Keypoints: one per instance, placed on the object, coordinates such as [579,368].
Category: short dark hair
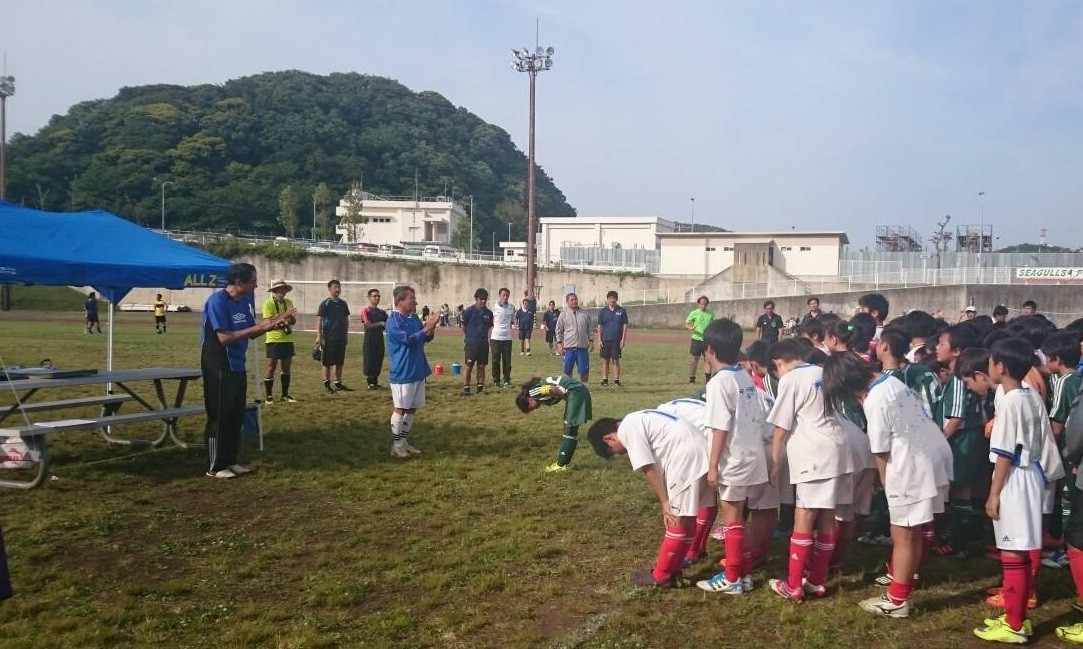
[961,336]
[1031,303]
[971,361]
[333,282]
[400,293]
[504,290]
[611,294]
[865,326]
[550,302]
[1000,310]
[845,376]
[159,295]
[240,272]
[481,294]
[1064,346]
[809,301]
[787,350]
[897,341]
[813,328]
[372,290]
[1016,354]
[702,298]
[875,302]
[768,303]
[1034,328]
[811,354]
[757,352]
[598,430]
[724,338]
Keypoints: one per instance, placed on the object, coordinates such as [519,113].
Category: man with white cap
[969,313]
[279,341]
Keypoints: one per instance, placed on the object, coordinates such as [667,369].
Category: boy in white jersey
[735,416]
[672,455]
[817,458]
[914,461]
[694,411]
[1017,449]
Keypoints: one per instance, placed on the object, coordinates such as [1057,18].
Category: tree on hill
[1034,247]
[230,149]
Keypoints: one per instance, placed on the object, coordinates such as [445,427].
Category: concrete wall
[1062,303]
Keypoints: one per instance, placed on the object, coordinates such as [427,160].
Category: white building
[401,220]
[705,254]
[630,241]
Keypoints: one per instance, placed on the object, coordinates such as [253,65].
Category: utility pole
[7,89]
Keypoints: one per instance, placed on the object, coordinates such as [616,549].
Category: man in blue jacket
[406,338]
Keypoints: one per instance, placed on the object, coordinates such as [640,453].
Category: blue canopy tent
[101,250]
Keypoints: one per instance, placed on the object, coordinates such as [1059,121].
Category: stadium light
[532,63]
[7,89]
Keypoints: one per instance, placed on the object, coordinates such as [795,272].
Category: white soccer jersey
[734,406]
[694,411]
[1021,431]
[503,316]
[920,462]
[815,450]
[677,448]
[857,445]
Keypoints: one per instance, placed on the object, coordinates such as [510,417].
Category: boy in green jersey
[577,410]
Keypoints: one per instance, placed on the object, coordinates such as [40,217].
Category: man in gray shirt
[575,337]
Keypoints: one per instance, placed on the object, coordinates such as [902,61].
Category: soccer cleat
[1073,633]
[691,379]
[616,382]
[883,605]
[813,590]
[373,386]
[288,399]
[782,589]
[269,400]
[341,387]
[1057,559]
[328,389]
[480,388]
[999,631]
[645,579]
[1028,628]
[466,391]
[719,584]
[238,469]
[398,450]
[605,382]
[556,468]
[224,474]
[522,353]
[411,449]
[997,600]
[528,353]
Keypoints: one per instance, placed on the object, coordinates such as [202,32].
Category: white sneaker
[224,474]
[239,470]
[398,449]
[413,450]
[883,606]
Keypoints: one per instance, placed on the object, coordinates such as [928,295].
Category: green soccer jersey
[924,383]
[1063,390]
[852,410]
[957,402]
[699,319]
[576,397]
[770,386]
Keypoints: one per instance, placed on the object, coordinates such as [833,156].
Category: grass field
[330,543]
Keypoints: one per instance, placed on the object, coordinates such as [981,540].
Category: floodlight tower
[532,63]
[7,89]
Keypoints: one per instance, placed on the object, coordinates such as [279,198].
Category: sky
[814,115]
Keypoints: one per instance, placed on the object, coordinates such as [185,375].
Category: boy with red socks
[672,455]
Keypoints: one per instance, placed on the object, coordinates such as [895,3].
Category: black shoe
[691,379]
[616,382]
[339,387]
[373,386]
[481,389]
[466,391]
[327,387]
[605,382]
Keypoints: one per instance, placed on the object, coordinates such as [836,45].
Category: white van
[438,252]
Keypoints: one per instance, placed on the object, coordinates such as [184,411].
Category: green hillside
[229,150]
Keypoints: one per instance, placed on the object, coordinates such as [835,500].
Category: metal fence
[634,259]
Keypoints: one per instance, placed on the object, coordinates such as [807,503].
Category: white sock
[396,426]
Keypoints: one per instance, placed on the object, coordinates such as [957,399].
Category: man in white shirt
[500,339]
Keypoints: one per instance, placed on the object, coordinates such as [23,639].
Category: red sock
[1075,562]
[822,550]
[899,591]
[928,537]
[671,553]
[1035,565]
[800,546]
[735,551]
[704,520]
[1016,567]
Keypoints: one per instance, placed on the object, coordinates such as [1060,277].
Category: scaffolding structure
[897,238]
[974,238]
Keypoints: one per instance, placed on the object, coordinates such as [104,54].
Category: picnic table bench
[36,434]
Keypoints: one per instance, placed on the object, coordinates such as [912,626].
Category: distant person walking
[332,326]
[160,307]
[228,323]
[90,307]
[549,322]
[406,338]
[279,342]
[613,333]
[697,322]
[575,338]
[500,341]
[374,321]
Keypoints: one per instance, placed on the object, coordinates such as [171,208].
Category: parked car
[438,252]
[392,249]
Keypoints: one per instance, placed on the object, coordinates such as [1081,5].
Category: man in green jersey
[550,391]
[697,322]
